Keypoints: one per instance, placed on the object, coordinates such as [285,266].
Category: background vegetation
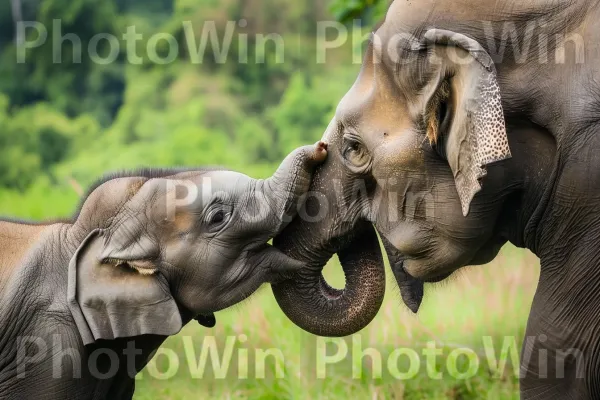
[67,119]
[66,123]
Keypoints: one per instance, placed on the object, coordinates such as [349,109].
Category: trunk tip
[320,151]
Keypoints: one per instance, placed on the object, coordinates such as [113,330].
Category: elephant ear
[477,133]
[113,292]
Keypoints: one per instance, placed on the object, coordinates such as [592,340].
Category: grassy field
[450,350]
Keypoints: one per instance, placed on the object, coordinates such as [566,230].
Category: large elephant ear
[477,134]
[119,295]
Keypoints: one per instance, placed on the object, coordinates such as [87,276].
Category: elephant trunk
[316,307]
[307,299]
[291,181]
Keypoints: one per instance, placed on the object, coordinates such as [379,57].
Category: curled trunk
[307,299]
[318,308]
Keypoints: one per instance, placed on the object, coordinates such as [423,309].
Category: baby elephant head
[175,246]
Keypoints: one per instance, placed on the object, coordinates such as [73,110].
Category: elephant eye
[355,154]
[217,217]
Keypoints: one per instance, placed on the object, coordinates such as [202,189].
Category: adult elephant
[471,123]
[85,303]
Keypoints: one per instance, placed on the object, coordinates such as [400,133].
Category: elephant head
[165,247]
[410,146]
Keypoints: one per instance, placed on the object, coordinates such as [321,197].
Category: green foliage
[53,71]
[349,10]
[42,200]
[36,138]
[70,120]
[300,116]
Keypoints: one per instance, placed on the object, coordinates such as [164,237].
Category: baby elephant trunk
[292,180]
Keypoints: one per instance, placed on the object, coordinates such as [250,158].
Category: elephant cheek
[417,269]
[488,252]
[236,293]
[407,237]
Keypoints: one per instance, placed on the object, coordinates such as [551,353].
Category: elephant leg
[560,356]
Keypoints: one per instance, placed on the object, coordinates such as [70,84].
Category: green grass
[490,301]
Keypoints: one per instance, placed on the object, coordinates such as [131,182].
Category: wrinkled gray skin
[132,268]
[541,192]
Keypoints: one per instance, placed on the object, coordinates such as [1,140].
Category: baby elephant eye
[355,154]
[217,217]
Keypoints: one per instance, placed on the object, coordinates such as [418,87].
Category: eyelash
[217,211]
[353,147]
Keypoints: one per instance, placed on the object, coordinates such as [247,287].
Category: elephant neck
[567,241]
[532,170]
[32,252]
[33,278]
[568,235]
[16,242]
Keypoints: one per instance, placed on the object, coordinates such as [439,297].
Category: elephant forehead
[227,181]
[375,104]
[201,189]
[411,16]
[382,102]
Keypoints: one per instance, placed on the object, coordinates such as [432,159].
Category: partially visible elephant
[471,123]
[84,304]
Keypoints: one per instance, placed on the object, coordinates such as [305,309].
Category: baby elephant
[84,304]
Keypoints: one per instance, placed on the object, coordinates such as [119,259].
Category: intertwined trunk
[306,298]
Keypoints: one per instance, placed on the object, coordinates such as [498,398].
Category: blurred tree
[369,11]
[67,119]
[301,116]
[61,69]
[35,138]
